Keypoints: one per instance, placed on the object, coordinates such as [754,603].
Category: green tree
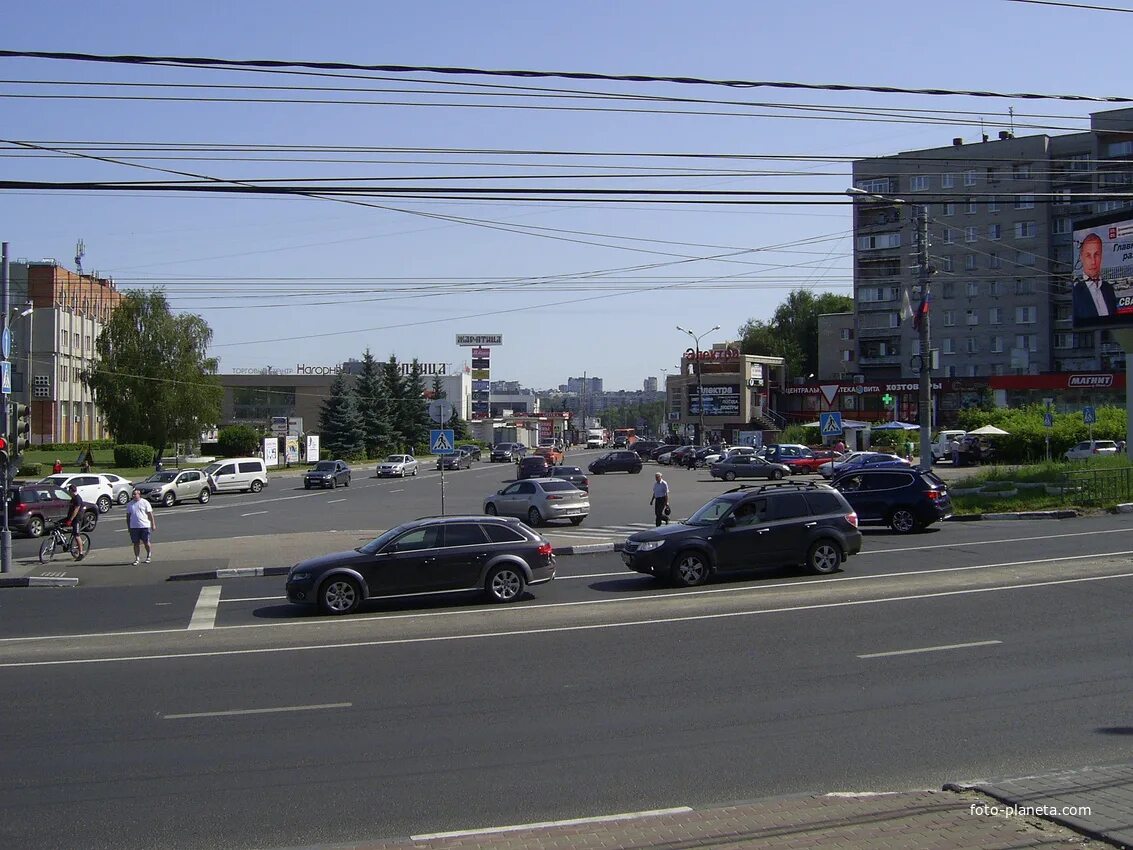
[340,423]
[414,408]
[792,331]
[374,408]
[459,426]
[152,379]
[394,391]
[238,441]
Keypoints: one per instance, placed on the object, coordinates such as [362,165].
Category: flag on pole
[906,307]
[922,311]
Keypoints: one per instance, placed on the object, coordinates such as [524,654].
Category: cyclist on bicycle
[75,514]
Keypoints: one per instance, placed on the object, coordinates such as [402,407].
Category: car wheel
[123,497]
[169,500]
[204,496]
[306,486]
[257,486]
[690,569]
[534,518]
[490,509]
[729,476]
[824,557]
[90,521]
[414,470]
[35,526]
[346,483]
[504,584]
[340,595]
[903,521]
[104,503]
[577,520]
[776,474]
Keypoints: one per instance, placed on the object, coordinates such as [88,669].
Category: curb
[38,581]
[1060,514]
[1126,508]
[233,572]
[587,548]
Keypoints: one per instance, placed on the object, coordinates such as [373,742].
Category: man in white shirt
[141,522]
[660,499]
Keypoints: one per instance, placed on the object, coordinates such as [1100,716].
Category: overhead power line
[213,62]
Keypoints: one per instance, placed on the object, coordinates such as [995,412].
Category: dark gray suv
[751,527]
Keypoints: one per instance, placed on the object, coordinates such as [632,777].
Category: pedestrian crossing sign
[830,424]
[442,441]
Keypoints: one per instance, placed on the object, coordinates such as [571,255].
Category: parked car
[169,488]
[92,488]
[664,449]
[619,461]
[1091,448]
[677,456]
[237,474]
[327,473]
[491,555]
[538,500]
[123,488]
[739,451]
[942,442]
[572,474]
[748,528]
[456,460]
[507,452]
[853,460]
[906,500]
[397,465]
[471,449]
[747,466]
[33,508]
[644,448]
[535,466]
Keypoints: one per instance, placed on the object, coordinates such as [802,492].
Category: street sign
[440,411]
[1048,420]
[6,344]
[442,441]
[830,424]
[1089,415]
[6,376]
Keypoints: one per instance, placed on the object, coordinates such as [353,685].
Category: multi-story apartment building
[1000,218]
[57,316]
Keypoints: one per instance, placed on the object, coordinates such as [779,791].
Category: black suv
[906,500]
[498,556]
[534,466]
[619,461]
[768,525]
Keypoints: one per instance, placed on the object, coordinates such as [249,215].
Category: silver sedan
[537,500]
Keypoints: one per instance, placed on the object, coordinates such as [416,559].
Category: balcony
[880,360]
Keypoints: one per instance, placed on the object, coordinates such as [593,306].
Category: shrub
[68,448]
[30,469]
[238,441]
[131,455]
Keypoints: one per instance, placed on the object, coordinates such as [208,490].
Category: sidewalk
[961,817]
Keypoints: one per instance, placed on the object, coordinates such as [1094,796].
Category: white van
[237,473]
[940,449]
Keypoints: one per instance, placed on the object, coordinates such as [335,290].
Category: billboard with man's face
[1103,271]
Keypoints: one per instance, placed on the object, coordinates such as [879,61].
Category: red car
[800,459]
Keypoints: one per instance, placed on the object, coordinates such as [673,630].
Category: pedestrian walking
[141,522]
[840,447]
[660,500]
[954,449]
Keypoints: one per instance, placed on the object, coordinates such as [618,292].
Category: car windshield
[324,466]
[208,470]
[393,459]
[162,477]
[378,542]
[54,479]
[710,514]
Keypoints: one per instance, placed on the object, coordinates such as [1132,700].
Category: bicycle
[78,545]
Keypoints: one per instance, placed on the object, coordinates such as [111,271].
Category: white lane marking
[550,630]
[931,649]
[492,830]
[204,614]
[497,610]
[254,513]
[239,711]
[332,501]
[397,491]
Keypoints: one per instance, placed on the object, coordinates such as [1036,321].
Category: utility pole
[924,406]
[5,472]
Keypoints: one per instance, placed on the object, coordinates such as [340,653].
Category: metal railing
[1097,486]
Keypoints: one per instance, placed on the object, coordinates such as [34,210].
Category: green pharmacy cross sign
[887,399]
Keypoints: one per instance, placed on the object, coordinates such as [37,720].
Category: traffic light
[20,438]
[3,452]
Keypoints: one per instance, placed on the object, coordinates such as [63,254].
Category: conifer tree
[374,407]
[340,423]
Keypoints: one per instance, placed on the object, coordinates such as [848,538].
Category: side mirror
[499,492]
[729,521]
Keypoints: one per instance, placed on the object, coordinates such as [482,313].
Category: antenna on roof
[80,252]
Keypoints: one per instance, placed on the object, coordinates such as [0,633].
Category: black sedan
[497,556]
[748,466]
[472,451]
[456,460]
[619,461]
[572,474]
[327,473]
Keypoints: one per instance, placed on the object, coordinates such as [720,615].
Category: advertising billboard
[1103,271]
[721,400]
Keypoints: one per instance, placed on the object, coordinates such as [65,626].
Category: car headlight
[650,545]
[299,577]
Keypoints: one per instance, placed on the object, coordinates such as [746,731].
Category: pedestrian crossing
[606,532]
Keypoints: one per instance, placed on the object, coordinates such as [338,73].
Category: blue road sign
[442,441]
[6,343]
[1048,420]
[1089,415]
[6,377]
[830,424]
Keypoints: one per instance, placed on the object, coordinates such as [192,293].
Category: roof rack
[797,485]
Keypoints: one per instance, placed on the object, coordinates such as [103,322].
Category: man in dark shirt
[74,516]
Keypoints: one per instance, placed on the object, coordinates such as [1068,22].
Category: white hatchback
[94,489]
[1090,448]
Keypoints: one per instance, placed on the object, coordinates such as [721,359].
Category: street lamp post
[699,373]
[924,371]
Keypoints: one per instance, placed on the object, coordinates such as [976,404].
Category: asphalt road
[976,649]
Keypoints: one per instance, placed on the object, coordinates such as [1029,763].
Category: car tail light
[552,497]
[852,518]
[585,481]
[19,507]
[932,494]
[1095,450]
[544,549]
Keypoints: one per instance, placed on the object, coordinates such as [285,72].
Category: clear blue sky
[372,265]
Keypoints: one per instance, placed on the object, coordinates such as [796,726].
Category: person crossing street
[660,500]
[141,523]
